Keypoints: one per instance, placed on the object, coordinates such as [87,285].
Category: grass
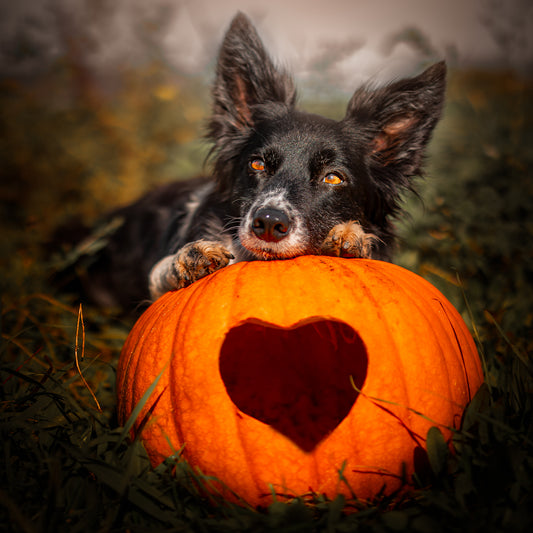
[67,466]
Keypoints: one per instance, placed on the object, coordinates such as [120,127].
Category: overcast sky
[347,39]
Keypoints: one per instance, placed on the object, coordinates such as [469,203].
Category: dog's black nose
[270,225]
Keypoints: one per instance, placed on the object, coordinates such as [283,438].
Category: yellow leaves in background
[99,147]
[166,92]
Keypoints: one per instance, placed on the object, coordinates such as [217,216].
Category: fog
[348,41]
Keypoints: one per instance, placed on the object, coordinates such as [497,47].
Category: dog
[285,182]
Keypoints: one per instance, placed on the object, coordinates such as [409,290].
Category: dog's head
[292,176]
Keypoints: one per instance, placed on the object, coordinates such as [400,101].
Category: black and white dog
[285,182]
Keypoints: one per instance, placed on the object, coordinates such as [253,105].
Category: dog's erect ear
[245,76]
[399,119]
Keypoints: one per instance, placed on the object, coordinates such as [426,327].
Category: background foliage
[70,146]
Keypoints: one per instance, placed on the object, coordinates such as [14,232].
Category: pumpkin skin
[257,363]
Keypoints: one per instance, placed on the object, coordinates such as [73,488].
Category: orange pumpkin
[275,376]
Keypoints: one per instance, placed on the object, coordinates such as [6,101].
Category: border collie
[285,182]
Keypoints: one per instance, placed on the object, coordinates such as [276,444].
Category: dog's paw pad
[349,239]
[198,259]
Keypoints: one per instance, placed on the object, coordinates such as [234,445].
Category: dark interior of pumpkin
[297,380]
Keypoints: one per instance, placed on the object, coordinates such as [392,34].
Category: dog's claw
[198,259]
[349,239]
[194,261]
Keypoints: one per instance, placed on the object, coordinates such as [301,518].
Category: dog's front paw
[194,261]
[198,259]
[349,239]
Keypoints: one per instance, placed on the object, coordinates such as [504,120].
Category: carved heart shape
[296,380]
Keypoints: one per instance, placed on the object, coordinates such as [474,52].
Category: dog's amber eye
[257,164]
[333,179]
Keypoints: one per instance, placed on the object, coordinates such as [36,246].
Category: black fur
[285,182]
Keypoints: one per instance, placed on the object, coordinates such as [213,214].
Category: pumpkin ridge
[432,314]
[366,282]
[399,278]
[413,286]
[386,326]
[446,319]
[199,289]
[178,317]
[409,287]
[459,330]
[249,458]
[128,367]
[159,425]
